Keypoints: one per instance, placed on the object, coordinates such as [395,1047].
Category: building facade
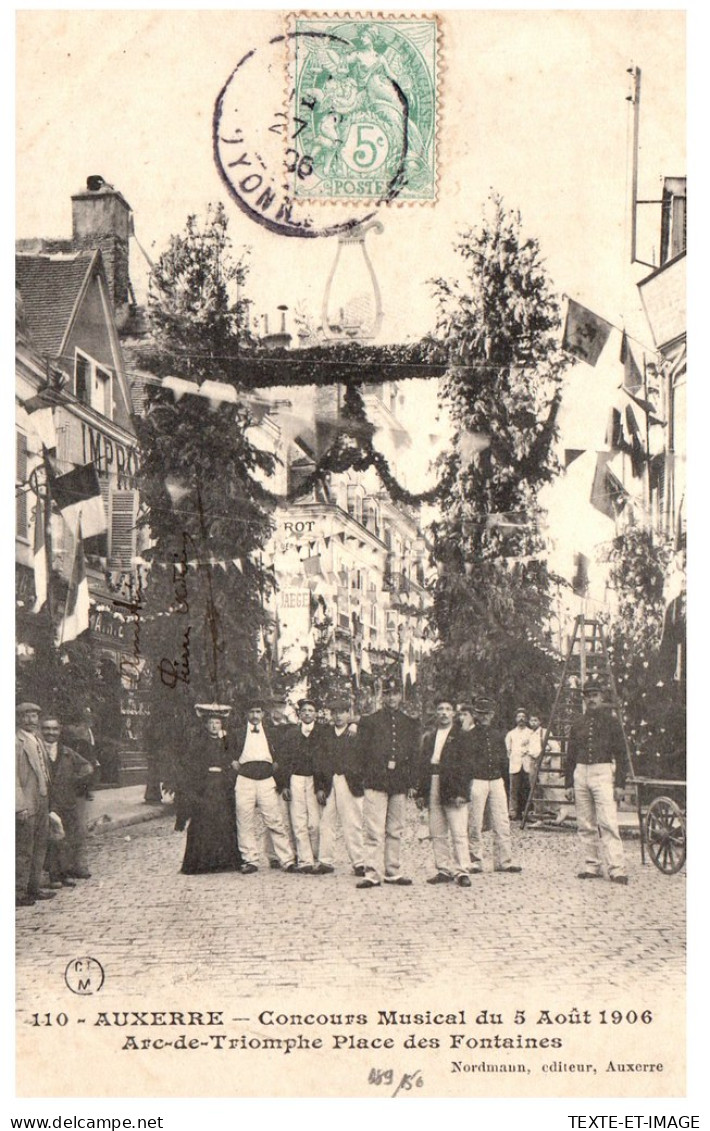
[69,362]
[349,562]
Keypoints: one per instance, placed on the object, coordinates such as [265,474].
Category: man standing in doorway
[388,741]
[594,776]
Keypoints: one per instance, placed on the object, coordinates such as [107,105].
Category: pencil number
[386,1076]
[380,1076]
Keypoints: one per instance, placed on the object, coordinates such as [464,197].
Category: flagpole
[647,414]
[635,100]
[48,540]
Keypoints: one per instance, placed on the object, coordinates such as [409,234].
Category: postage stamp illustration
[365,92]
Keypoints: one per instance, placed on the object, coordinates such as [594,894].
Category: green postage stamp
[365,107]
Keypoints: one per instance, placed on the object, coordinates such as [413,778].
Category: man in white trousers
[256,789]
[302,752]
[339,789]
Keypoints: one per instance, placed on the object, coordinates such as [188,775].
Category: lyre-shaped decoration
[352,290]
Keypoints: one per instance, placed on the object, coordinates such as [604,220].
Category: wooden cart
[660,805]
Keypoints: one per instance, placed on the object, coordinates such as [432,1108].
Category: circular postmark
[84,976]
[317,129]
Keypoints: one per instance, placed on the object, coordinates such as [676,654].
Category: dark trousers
[31,838]
[66,856]
[519,791]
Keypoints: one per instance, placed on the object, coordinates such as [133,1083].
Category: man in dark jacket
[302,752]
[594,766]
[69,774]
[339,790]
[484,749]
[388,741]
[442,786]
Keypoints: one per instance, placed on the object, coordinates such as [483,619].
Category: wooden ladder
[587,662]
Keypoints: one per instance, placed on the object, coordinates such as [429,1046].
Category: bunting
[39,559]
[647,408]
[632,374]
[78,496]
[624,435]
[76,610]
[42,424]
[580,578]
[608,494]
[585,333]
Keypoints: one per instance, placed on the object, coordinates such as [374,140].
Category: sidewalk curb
[105,824]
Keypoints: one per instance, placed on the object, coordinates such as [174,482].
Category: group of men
[51,780]
[306,778]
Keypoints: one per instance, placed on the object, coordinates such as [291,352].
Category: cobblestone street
[147,924]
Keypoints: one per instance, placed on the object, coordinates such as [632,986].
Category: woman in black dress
[205,799]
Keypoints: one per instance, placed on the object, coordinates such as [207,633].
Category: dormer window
[82,379]
[93,385]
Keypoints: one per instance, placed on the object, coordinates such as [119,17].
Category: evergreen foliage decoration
[503,389]
[199,496]
[652,699]
[353,449]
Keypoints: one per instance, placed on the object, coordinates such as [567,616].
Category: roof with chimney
[51,286]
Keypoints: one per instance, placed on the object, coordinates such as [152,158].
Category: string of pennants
[193,563]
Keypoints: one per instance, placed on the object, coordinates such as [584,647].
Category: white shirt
[306,728]
[52,749]
[256,746]
[517,743]
[534,749]
[441,736]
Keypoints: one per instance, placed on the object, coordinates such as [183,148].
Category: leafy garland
[253,366]
[353,449]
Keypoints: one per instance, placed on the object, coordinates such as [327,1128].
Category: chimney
[102,218]
[281,339]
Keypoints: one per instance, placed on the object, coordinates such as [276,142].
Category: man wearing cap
[339,789]
[487,758]
[443,787]
[594,775]
[257,788]
[388,741]
[303,746]
[517,741]
[31,807]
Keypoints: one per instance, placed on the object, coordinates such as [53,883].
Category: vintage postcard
[350,525]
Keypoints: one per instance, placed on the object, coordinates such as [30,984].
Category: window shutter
[124,507]
[21,477]
[82,379]
[98,546]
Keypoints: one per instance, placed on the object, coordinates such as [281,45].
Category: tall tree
[203,609]
[501,326]
[652,695]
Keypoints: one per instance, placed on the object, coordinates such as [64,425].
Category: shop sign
[109,455]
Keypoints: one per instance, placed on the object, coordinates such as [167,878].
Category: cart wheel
[665,835]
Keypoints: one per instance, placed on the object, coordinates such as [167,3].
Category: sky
[532,105]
